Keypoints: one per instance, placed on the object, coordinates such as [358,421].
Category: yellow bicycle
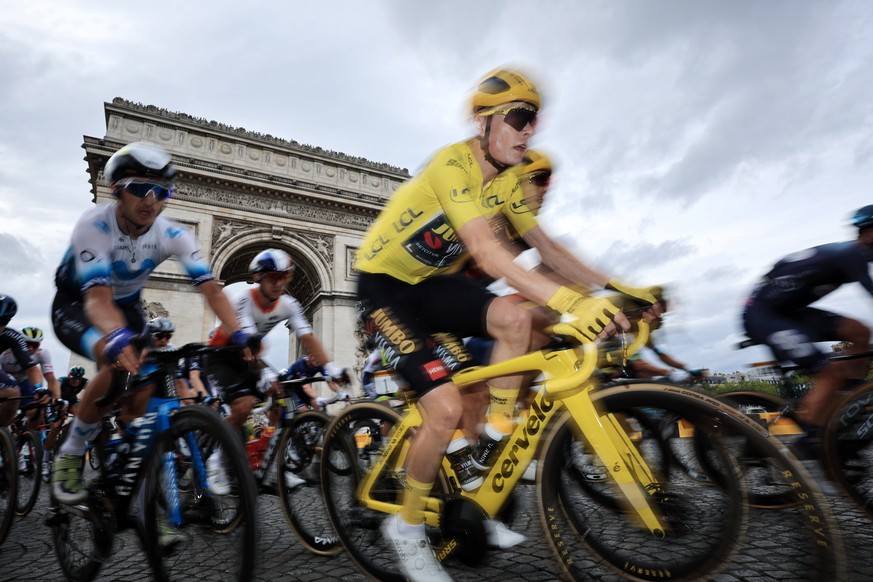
[606,492]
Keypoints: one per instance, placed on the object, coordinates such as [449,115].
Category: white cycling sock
[81,433]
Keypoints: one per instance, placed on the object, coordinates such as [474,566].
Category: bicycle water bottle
[491,441]
[459,455]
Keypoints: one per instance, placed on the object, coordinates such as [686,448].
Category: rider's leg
[511,327]
[832,377]
[441,410]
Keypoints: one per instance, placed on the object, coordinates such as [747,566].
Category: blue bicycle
[159,468]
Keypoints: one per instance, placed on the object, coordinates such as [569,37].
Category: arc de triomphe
[241,192]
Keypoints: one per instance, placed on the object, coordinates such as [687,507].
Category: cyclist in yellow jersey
[410,289]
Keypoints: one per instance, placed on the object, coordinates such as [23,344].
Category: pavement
[28,554]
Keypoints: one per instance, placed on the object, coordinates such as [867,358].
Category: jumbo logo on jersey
[435,244]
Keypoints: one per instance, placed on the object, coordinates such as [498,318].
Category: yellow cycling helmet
[503,86]
[533,163]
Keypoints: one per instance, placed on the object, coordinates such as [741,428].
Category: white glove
[321,402]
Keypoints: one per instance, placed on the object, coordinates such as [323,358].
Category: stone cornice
[320,193]
[175,118]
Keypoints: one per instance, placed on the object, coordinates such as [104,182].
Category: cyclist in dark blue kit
[778,314]
[13,340]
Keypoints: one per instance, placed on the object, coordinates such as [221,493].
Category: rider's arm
[53,385]
[101,311]
[197,383]
[220,306]
[671,361]
[314,349]
[493,258]
[559,259]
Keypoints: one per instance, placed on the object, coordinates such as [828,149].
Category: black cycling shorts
[230,376]
[791,335]
[76,332]
[418,326]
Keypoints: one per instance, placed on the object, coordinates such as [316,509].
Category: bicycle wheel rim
[216,536]
[29,451]
[299,457]
[700,531]
[806,534]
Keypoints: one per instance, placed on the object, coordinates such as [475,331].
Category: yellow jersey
[415,236]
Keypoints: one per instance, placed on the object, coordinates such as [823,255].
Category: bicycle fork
[621,458]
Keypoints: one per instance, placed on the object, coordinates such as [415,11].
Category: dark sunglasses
[162,336]
[541,179]
[519,117]
[141,189]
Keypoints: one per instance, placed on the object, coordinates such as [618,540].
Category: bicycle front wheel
[848,446]
[708,523]
[299,483]
[192,529]
[8,482]
[29,457]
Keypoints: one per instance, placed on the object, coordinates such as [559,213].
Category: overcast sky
[696,142]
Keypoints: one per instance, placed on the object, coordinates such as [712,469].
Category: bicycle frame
[568,384]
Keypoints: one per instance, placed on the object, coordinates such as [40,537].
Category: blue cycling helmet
[8,309]
[863,217]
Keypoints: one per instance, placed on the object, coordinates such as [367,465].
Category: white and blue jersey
[101,254]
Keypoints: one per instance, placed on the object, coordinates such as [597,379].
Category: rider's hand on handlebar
[119,351]
[593,314]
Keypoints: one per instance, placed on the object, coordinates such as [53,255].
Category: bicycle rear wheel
[299,483]
[8,482]
[848,446]
[191,530]
[29,455]
[708,522]
[350,449]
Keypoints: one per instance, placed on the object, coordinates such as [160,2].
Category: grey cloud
[633,258]
[18,257]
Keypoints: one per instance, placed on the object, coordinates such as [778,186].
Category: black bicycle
[155,480]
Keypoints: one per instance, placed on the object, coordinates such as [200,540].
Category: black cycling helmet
[139,160]
[8,309]
[863,217]
[77,372]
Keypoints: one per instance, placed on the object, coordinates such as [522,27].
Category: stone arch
[312,278]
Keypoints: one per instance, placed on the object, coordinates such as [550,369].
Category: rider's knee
[508,322]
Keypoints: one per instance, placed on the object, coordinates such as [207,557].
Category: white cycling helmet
[161,325]
[271,261]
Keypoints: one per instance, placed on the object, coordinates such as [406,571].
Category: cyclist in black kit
[14,341]
[778,314]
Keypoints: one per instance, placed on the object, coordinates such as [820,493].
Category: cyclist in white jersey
[33,337]
[258,311]
[97,313]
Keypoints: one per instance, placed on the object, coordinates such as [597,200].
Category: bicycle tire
[848,446]
[693,461]
[83,536]
[28,450]
[812,544]
[8,482]
[299,454]
[216,536]
[344,462]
